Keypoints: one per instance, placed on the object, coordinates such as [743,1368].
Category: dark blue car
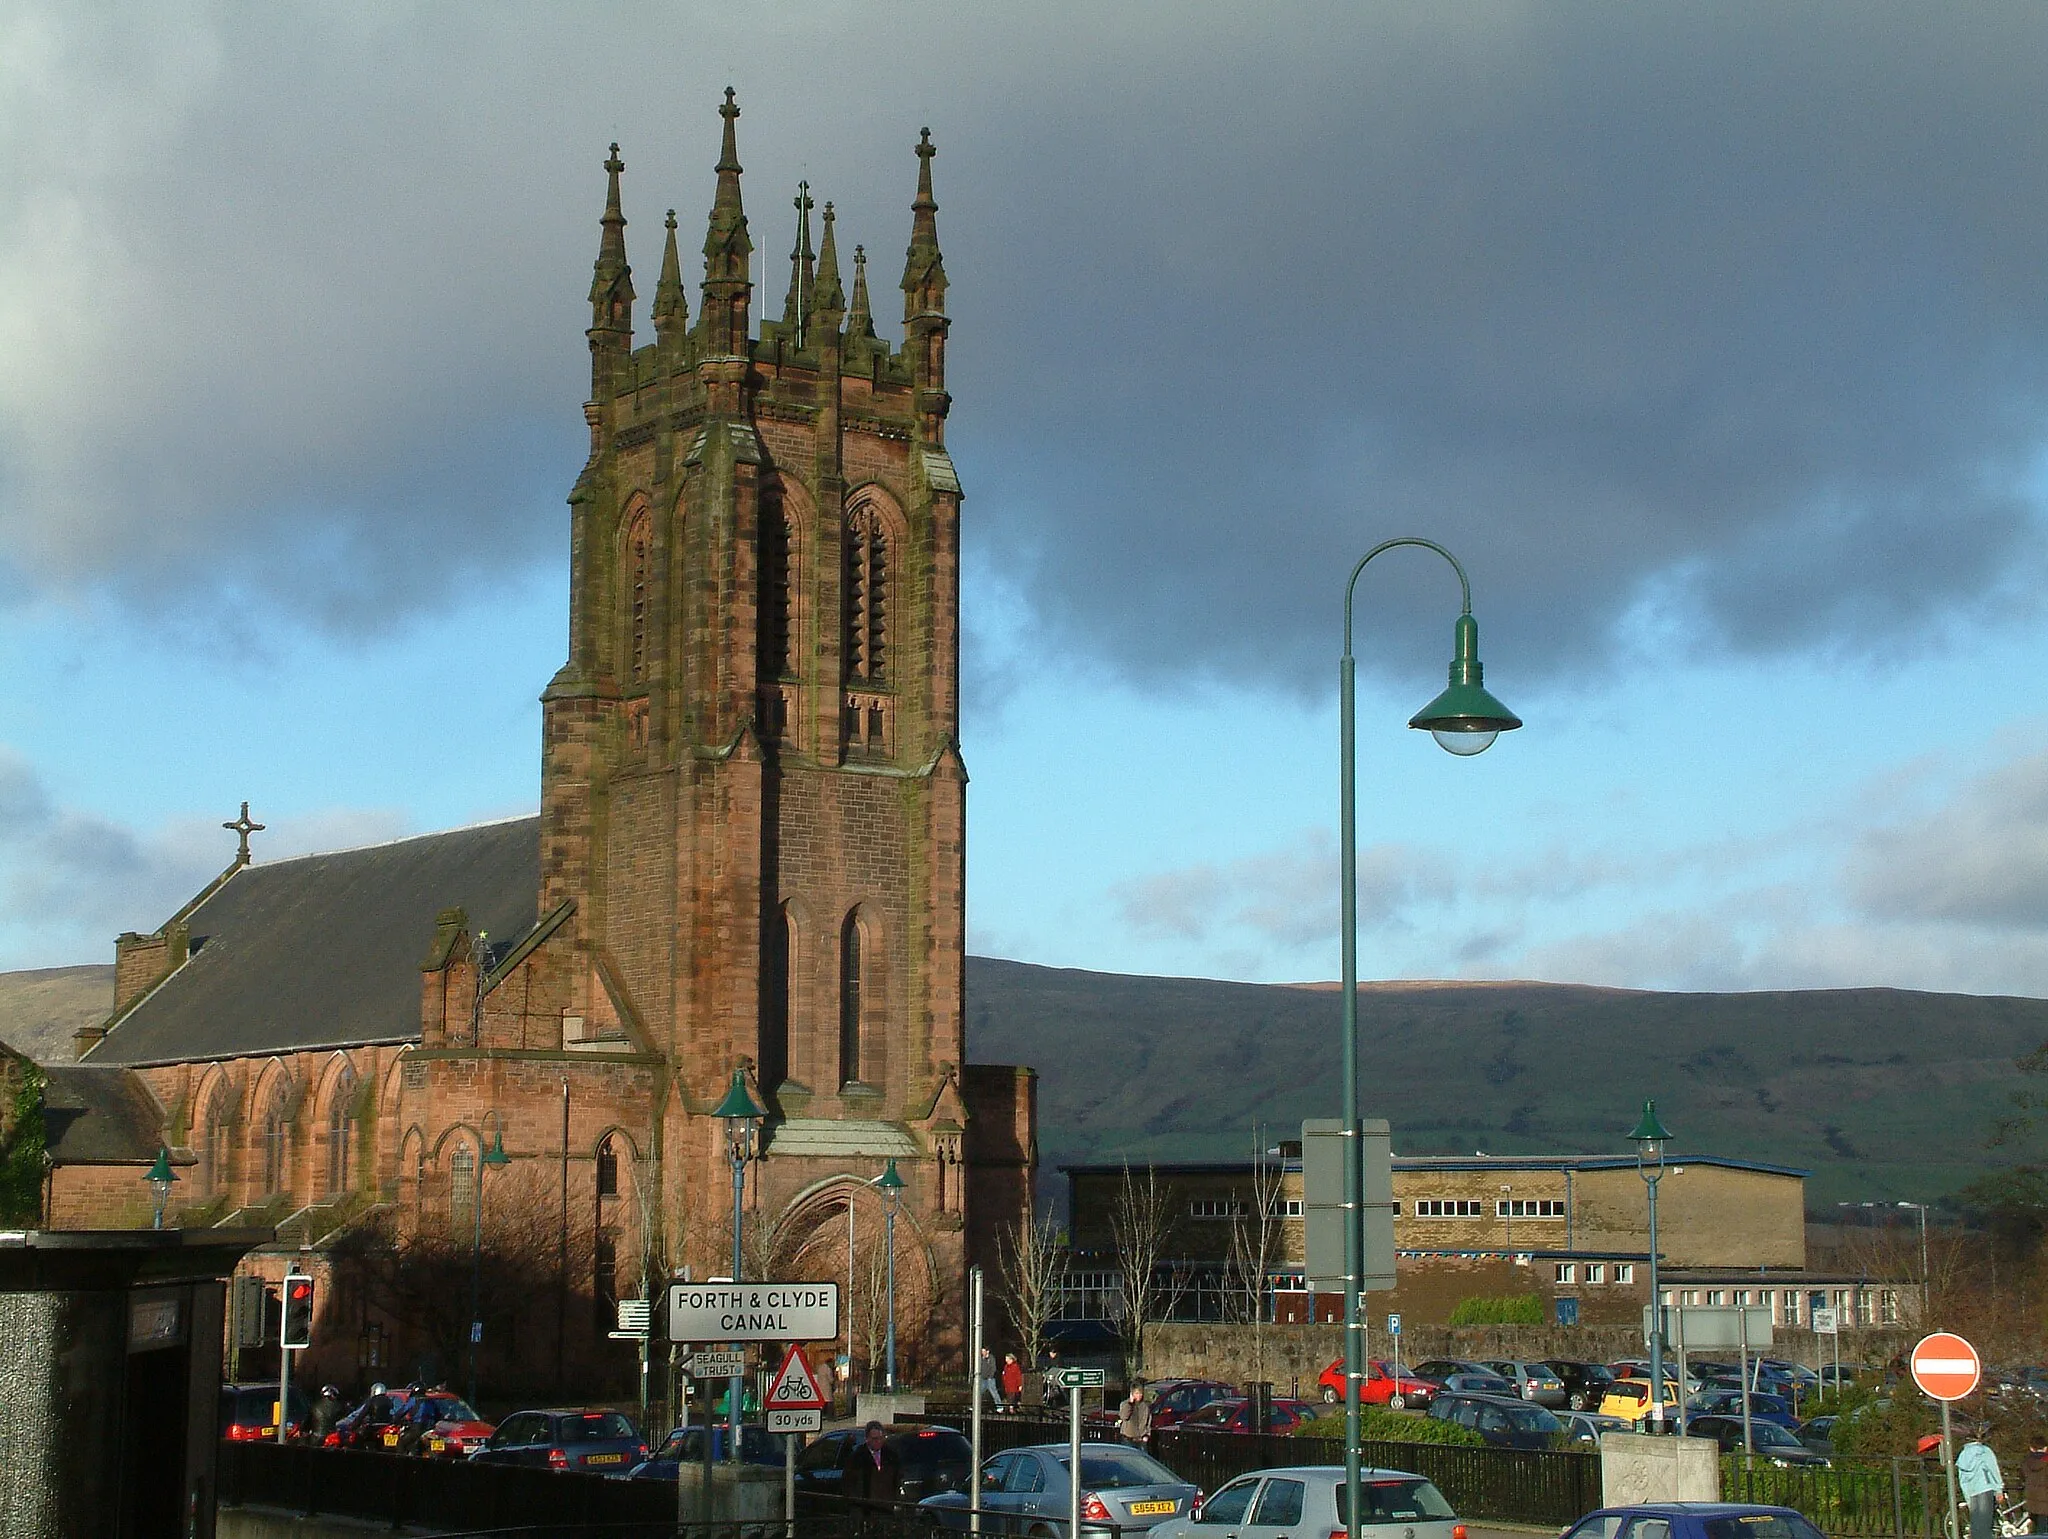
[757,1446]
[1693,1520]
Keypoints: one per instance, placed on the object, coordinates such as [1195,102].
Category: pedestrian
[1978,1476]
[2034,1469]
[1051,1393]
[1013,1382]
[871,1472]
[1134,1418]
[985,1371]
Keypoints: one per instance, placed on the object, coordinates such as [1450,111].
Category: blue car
[1693,1520]
[757,1446]
[1728,1402]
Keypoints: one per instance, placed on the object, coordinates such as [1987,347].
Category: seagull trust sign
[753,1311]
[1946,1366]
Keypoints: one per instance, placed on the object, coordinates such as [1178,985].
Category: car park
[1767,1440]
[248,1412]
[1027,1491]
[1236,1416]
[1585,1384]
[1308,1502]
[1504,1421]
[1380,1386]
[597,1441]
[1693,1520]
[932,1459]
[1532,1381]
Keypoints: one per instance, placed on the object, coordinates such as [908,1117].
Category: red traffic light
[298,1312]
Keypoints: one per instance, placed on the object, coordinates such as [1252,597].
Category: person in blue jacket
[1982,1483]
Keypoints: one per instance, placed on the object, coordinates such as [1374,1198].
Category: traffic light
[252,1312]
[298,1311]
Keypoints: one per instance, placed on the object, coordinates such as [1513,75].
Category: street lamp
[495,1158]
[1921,1209]
[160,1176]
[741,1117]
[1465,720]
[891,1187]
[1650,1138]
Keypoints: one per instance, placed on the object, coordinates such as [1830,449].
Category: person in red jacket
[1013,1381]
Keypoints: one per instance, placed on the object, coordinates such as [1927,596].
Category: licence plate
[391,1440]
[1150,1509]
[438,1444]
[606,1459]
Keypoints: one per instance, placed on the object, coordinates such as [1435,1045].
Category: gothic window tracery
[774,1044]
[849,1000]
[214,1153]
[778,595]
[341,1131]
[277,1142]
[866,587]
[462,1188]
[639,567]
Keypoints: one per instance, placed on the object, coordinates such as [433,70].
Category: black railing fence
[1857,1499]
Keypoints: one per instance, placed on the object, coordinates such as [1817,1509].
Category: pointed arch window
[774,1045]
[607,1169]
[341,1132]
[849,999]
[277,1143]
[215,1151]
[866,588]
[462,1188]
[639,576]
[778,595]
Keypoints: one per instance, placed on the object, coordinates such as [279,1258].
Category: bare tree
[1255,1245]
[1141,1228]
[1031,1269]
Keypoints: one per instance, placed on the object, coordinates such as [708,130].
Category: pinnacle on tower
[796,308]
[611,280]
[924,272]
[828,299]
[727,248]
[671,309]
[860,320]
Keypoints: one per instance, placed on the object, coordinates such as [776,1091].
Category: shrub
[1381,1426]
[1518,1309]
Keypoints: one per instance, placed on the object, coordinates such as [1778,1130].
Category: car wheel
[1329,1395]
[1398,1402]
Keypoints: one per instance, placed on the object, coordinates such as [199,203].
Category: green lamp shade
[495,1156]
[737,1102]
[1649,1132]
[888,1180]
[1465,719]
[160,1175]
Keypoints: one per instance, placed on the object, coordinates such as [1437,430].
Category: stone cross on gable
[244,828]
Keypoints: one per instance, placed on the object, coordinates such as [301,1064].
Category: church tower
[753,799]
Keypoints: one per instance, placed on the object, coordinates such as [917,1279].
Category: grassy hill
[1881,1093]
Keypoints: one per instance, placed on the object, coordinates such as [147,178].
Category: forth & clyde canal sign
[753,1311]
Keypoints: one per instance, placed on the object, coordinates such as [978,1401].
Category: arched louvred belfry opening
[341,1132]
[866,586]
[850,1000]
[773,1054]
[778,589]
[637,585]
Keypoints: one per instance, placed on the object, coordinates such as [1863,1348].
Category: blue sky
[1714,342]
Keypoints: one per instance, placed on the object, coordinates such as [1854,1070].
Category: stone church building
[749,855]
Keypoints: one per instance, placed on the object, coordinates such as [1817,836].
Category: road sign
[795,1387]
[1322,1173]
[753,1311]
[636,1316]
[716,1365]
[476,1332]
[1082,1378]
[1946,1366]
[794,1421]
[1393,1325]
[1825,1322]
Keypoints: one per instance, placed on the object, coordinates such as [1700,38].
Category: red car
[1235,1416]
[457,1433]
[1379,1387]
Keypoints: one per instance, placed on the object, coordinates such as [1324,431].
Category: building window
[778,594]
[1566,1272]
[639,571]
[1292,1207]
[341,1131]
[607,1170]
[1669,1298]
[849,1000]
[1888,1307]
[1397,1207]
[1216,1207]
[1447,1207]
[1741,1298]
[605,1280]
[866,549]
[1716,1297]
[214,1151]
[774,1056]
[277,1144]
[1531,1207]
[1625,1272]
[462,1213]
[1596,1271]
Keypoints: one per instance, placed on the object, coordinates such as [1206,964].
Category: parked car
[1380,1386]
[1307,1502]
[1436,1370]
[1585,1384]
[1639,1368]
[1768,1439]
[597,1441]
[248,1412]
[1532,1381]
[421,1419]
[1728,1402]
[933,1459]
[1818,1433]
[1174,1399]
[1123,1490]
[686,1445]
[1629,1399]
[1586,1426]
[1236,1416]
[1477,1384]
[1504,1421]
[1693,1520]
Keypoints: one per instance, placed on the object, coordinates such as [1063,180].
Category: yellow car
[1629,1399]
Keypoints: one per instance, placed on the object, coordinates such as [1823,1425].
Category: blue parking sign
[1567,1311]
[1393,1325]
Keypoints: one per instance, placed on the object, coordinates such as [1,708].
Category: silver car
[1307,1502]
[1027,1491]
[1532,1381]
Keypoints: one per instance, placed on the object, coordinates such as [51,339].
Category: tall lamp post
[742,1118]
[1921,1209]
[494,1158]
[1650,1138]
[160,1176]
[891,1187]
[1465,720]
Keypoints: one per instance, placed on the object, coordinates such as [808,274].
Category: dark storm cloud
[1719,326]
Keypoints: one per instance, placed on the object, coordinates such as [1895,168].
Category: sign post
[1072,1379]
[1946,1368]
[974,1349]
[1394,1332]
[793,1405]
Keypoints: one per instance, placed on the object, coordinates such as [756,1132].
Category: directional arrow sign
[1946,1366]
[1083,1378]
[795,1387]
[718,1365]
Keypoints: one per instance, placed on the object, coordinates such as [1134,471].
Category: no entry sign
[1945,1366]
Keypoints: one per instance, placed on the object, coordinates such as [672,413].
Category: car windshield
[1109,1469]
[1768,1434]
[1530,1418]
[1761,1525]
[453,1410]
[596,1427]
[1395,1501]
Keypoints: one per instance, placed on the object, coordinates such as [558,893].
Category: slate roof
[99,1116]
[325,950]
